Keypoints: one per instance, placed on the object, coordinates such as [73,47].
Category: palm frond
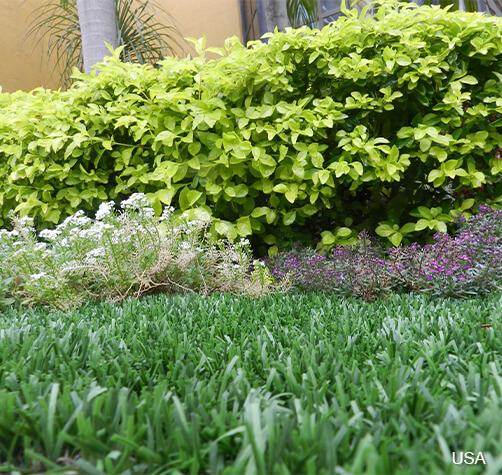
[301,12]
[56,25]
[145,38]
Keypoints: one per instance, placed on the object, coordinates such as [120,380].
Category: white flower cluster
[166,213]
[64,242]
[185,245]
[228,266]
[188,228]
[138,202]
[147,212]
[95,232]
[91,258]
[8,234]
[78,220]
[19,252]
[39,246]
[26,222]
[123,235]
[50,234]
[81,247]
[104,210]
[69,266]
[97,252]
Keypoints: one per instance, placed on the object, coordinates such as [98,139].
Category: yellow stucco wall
[216,19]
[21,63]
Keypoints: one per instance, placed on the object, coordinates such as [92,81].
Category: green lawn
[282,384]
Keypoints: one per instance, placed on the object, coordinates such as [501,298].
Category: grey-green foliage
[294,384]
[142,30]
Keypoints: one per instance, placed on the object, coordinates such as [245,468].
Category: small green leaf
[344,232]
[289,218]
[439,153]
[384,230]
[280,188]
[425,144]
[107,144]
[425,212]
[394,153]
[273,251]
[188,198]
[308,210]
[271,216]
[469,80]
[166,138]
[419,134]
[194,163]
[440,226]
[292,193]
[241,190]
[422,224]
[244,226]
[260,211]
[396,239]
[467,204]
[435,175]
[323,176]
[358,167]
[194,148]
[226,229]
[407,228]
[270,239]
[202,213]
[327,238]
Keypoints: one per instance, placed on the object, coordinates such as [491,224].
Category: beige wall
[216,19]
[21,65]
[24,66]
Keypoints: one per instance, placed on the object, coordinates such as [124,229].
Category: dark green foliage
[385,124]
[295,384]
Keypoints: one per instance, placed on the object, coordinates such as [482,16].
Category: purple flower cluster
[309,271]
[468,263]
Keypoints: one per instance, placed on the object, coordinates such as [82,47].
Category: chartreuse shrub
[117,255]
[285,384]
[385,123]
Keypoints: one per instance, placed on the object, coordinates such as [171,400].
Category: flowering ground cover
[134,253]
[466,264]
[226,384]
[121,253]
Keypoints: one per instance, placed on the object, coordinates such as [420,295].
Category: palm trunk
[98,26]
[494,7]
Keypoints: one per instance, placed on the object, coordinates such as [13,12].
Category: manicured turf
[283,384]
